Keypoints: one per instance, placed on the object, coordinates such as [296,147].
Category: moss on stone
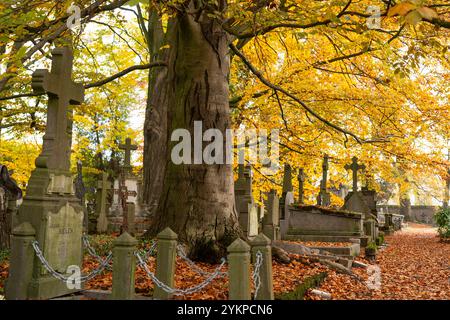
[300,291]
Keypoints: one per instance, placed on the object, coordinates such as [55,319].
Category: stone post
[239,270]
[165,262]
[124,267]
[21,262]
[261,243]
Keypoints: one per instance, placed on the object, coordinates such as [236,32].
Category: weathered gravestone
[271,220]
[127,147]
[103,186]
[354,167]
[9,194]
[301,180]
[287,192]
[243,197]
[126,203]
[285,212]
[324,199]
[50,205]
[363,201]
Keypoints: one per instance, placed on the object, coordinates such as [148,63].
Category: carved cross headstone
[301,180]
[50,208]
[127,147]
[62,92]
[354,166]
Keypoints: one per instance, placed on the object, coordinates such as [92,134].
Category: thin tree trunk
[155,126]
[197,200]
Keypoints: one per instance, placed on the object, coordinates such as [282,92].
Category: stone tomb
[314,223]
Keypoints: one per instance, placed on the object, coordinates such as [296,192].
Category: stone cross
[127,147]
[287,178]
[354,166]
[62,92]
[301,179]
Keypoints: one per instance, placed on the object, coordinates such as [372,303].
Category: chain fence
[104,263]
[142,257]
[92,251]
[180,292]
[182,254]
[151,251]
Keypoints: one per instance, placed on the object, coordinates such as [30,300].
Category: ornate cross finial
[62,92]
[127,147]
[301,179]
[354,166]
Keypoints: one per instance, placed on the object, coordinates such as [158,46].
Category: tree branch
[97,83]
[277,88]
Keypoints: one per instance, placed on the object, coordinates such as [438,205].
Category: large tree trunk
[196,200]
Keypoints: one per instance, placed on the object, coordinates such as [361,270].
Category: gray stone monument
[301,180]
[127,147]
[50,205]
[243,197]
[103,186]
[354,166]
[271,220]
[323,199]
[287,179]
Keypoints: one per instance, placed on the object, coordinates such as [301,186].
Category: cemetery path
[414,265]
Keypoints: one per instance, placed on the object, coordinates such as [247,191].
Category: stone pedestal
[57,216]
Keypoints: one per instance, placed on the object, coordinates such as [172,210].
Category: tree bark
[196,200]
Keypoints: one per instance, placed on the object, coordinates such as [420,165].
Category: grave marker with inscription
[50,204]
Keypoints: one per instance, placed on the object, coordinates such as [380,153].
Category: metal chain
[92,251]
[150,251]
[180,292]
[60,276]
[183,255]
[256,277]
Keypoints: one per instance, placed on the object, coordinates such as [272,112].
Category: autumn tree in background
[332,82]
